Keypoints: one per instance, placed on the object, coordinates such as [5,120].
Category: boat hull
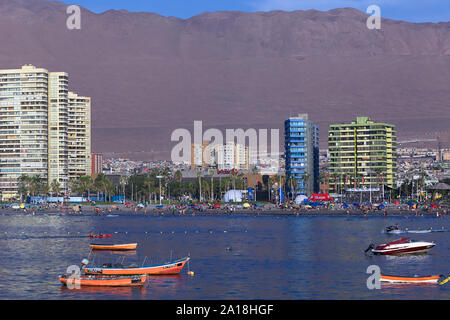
[164,269]
[114,247]
[393,279]
[103,281]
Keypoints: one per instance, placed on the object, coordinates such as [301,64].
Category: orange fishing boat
[169,268]
[128,246]
[103,281]
[415,279]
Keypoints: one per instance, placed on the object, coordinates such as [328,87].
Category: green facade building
[362,154]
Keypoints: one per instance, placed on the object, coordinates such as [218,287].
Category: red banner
[320,197]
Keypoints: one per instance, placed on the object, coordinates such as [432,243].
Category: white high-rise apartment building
[34,127]
[58,89]
[232,156]
[79,136]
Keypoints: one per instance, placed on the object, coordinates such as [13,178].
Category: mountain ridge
[148,74]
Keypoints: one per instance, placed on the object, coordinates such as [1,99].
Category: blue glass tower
[302,155]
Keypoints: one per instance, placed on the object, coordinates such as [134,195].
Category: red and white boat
[402,246]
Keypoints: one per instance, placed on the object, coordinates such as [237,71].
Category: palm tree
[190,188]
[178,176]
[306,183]
[102,183]
[35,184]
[211,173]
[270,185]
[45,189]
[199,175]
[206,188]
[85,184]
[55,187]
[294,185]
[255,175]
[24,186]
[150,184]
[123,182]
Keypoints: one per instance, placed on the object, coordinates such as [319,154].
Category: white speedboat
[401,246]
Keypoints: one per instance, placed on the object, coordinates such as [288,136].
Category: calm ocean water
[271,257]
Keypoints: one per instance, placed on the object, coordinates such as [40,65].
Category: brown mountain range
[148,74]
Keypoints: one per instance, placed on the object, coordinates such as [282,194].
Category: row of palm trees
[86,185]
[147,187]
[37,186]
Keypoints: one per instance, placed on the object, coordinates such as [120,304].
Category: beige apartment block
[79,136]
[58,89]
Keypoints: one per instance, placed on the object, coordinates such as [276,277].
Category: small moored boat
[127,246]
[103,281]
[169,268]
[414,279]
[100,235]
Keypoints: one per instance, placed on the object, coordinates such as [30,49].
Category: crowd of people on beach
[288,207]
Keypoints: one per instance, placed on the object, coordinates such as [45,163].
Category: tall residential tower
[362,154]
[302,155]
[34,127]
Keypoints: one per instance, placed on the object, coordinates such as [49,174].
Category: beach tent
[233,196]
[300,199]
[246,205]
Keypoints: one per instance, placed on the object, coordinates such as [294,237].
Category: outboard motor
[84,263]
[371,246]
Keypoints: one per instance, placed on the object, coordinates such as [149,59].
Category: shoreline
[121,210]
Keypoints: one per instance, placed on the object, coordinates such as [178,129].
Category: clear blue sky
[407,10]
